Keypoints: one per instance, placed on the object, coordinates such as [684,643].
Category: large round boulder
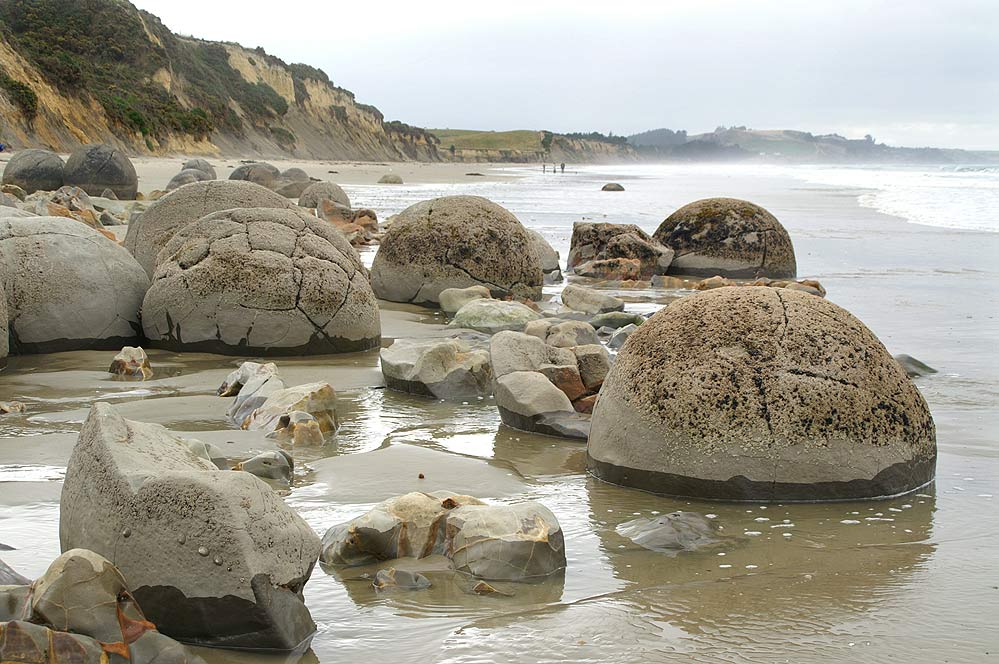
[35,170]
[151,231]
[455,242]
[200,165]
[728,237]
[317,192]
[755,393]
[97,167]
[187,176]
[259,172]
[68,287]
[260,281]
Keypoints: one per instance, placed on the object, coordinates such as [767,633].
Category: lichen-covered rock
[97,167]
[257,172]
[213,557]
[317,192]
[35,170]
[590,301]
[492,316]
[200,165]
[727,237]
[187,176]
[674,532]
[609,251]
[154,228]
[453,299]
[455,242]
[451,369]
[67,287]
[521,542]
[779,395]
[131,362]
[260,280]
[390,178]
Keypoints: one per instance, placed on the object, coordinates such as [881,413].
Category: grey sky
[911,72]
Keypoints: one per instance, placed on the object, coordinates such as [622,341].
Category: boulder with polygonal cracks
[264,281]
[213,557]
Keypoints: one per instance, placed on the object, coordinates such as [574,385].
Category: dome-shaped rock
[612,186]
[200,165]
[151,231]
[68,287]
[260,280]
[455,242]
[187,176]
[765,394]
[727,237]
[97,167]
[390,178]
[320,191]
[35,170]
[259,172]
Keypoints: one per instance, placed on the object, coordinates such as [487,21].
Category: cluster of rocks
[332,204]
[810,286]
[81,611]
[518,542]
[621,252]
[96,169]
[193,170]
[290,183]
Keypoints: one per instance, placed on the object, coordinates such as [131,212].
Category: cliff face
[84,71]
[560,149]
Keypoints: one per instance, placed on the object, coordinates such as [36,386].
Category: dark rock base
[316,346]
[549,424]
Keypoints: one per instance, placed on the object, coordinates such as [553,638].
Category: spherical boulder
[323,191]
[727,237]
[760,394]
[200,165]
[68,287]
[260,281]
[97,167]
[258,172]
[390,178]
[187,176]
[150,232]
[35,170]
[612,186]
[455,242]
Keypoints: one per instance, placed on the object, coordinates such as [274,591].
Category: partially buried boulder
[213,557]
[67,286]
[612,186]
[323,191]
[778,396]
[35,170]
[187,176]
[153,229]
[292,183]
[455,242]
[258,172]
[390,178]
[727,237]
[97,167]
[441,368]
[492,316]
[674,532]
[529,401]
[200,165]
[616,251]
[260,280]
[521,542]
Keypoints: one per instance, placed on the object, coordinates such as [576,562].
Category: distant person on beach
[544,168]
[2,147]
[562,166]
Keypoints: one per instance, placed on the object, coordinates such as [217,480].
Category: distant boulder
[35,170]
[390,178]
[187,176]
[320,191]
[258,172]
[201,165]
[612,186]
[97,167]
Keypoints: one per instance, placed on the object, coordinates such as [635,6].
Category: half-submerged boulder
[612,186]
[264,281]
[674,532]
[35,170]
[727,237]
[131,362]
[97,167]
[455,242]
[213,557]
[390,178]
[760,394]
[521,542]
[154,228]
[450,369]
[68,287]
[616,251]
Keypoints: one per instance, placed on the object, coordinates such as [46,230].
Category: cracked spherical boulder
[213,557]
[97,167]
[755,393]
[68,287]
[727,237]
[455,242]
[153,229]
[35,170]
[261,281]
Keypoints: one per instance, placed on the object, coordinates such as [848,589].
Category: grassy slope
[520,139]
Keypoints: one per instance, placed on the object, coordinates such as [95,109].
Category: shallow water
[912,578]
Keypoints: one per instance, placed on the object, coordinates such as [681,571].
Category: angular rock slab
[68,287]
[213,557]
[264,281]
[590,301]
[755,393]
[528,401]
[450,369]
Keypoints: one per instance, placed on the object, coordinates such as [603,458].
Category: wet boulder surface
[455,242]
[67,287]
[519,542]
[213,557]
[261,280]
[674,532]
[450,369]
[35,170]
[727,237]
[780,395]
[97,167]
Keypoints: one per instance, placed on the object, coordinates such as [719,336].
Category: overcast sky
[910,72]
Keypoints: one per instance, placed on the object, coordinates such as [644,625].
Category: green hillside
[470,139]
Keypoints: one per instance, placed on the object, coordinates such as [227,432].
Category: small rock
[589,301]
[616,319]
[7,407]
[913,367]
[716,281]
[483,588]
[621,335]
[612,186]
[275,415]
[398,578]
[276,465]
[593,361]
[131,362]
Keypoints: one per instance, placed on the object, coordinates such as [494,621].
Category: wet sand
[907,579]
